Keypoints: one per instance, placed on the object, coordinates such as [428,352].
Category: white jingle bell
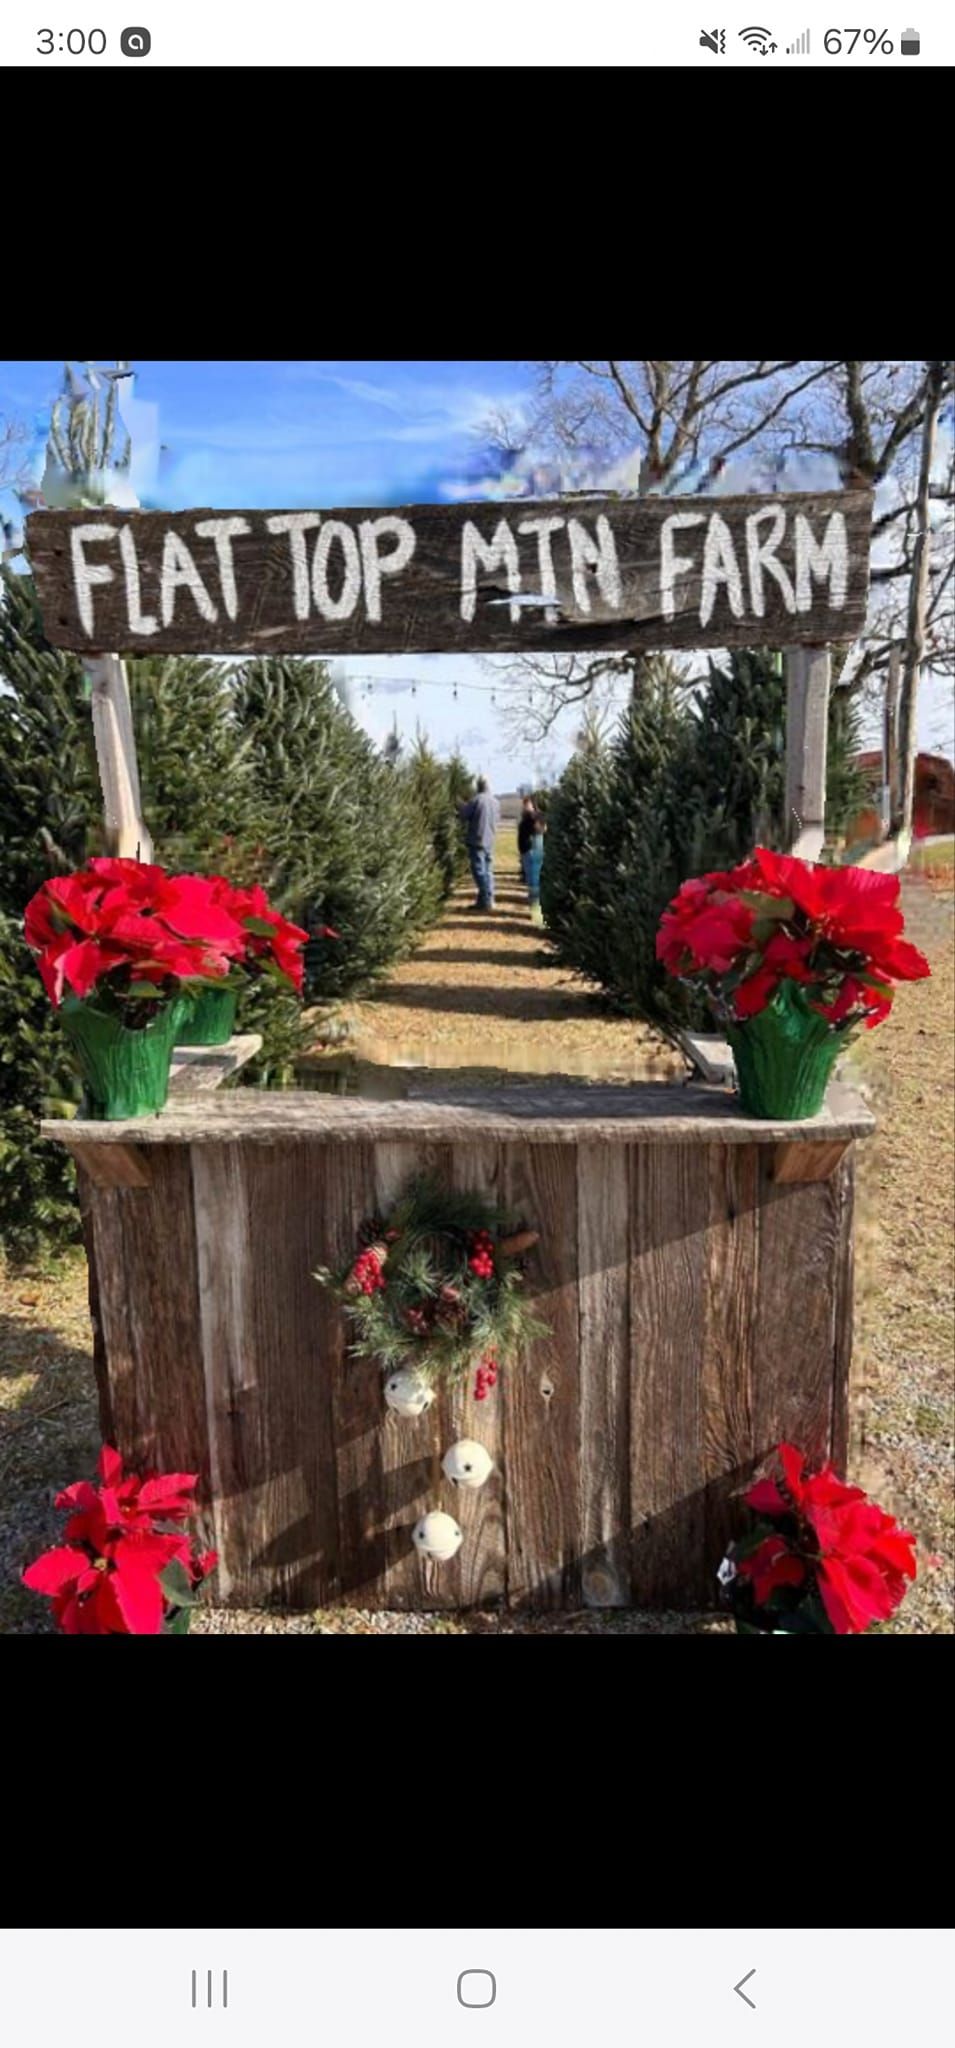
[467,1463]
[437,1535]
[408,1393]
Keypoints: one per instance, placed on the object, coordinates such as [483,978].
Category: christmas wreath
[437,1287]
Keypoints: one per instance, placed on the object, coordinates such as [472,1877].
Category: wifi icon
[757,39]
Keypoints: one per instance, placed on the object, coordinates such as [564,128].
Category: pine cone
[522,1241]
[370,1231]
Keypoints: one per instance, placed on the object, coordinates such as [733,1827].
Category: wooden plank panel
[269,1394]
[113,1166]
[843,1192]
[669,1217]
[732,1356]
[603,1239]
[224,1248]
[411,1447]
[356,1405]
[799,1232]
[88,1197]
[541,1394]
[477,1577]
[807,1162]
[639,1113]
[594,572]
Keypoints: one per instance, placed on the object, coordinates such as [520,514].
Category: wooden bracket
[113,1166]
[806,1161]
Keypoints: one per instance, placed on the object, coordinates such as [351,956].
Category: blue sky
[289,434]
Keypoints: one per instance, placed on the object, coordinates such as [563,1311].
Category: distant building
[933,810]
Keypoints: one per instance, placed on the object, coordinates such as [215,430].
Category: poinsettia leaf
[176,1584]
[775,908]
[259,927]
[143,991]
[178,1624]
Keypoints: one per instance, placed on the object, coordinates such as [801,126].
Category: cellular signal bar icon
[800,48]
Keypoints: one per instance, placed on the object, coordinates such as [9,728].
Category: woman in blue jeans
[532,861]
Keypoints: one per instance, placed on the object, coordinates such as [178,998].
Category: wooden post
[116,758]
[890,747]
[807,707]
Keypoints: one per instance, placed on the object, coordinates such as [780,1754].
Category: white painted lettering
[297,525]
[720,566]
[543,528]
[599,555]
[375,565]
[830,559]
[223,531]
[139,622]
[342,606]
[87,574]
[672,565]
[498,553]
[761,555]
[179,572]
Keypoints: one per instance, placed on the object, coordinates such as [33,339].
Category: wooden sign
[564,573]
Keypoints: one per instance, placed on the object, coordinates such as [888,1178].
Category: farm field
[476,999]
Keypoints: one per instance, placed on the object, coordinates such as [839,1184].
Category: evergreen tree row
[254,770]
[685,785]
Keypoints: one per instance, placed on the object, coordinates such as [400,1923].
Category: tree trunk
[890,745]
[901,822]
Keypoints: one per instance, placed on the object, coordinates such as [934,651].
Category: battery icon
[910,42]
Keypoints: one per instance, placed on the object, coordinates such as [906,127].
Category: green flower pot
[784,1057]
[126,1073]
[211,1017]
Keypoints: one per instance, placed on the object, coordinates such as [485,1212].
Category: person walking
[481,816]
[525,831]
[532,863]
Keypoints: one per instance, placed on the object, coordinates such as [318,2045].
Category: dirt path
[481,995]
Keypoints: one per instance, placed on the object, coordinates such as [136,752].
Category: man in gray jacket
[481,816]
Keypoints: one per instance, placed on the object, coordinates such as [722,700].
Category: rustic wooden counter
[695,1266]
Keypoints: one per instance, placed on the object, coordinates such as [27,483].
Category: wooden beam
[195,1069]
[593,572]
[115,739]
[113,1166]
[807,707]
[807,1162]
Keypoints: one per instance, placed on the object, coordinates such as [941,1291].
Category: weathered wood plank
[113,1166]
[669,1206]
[196,1069]
[603,1252]
[87,1196]
[731,1352]
[477,1577]
[650,1113]
[269,1401]
[540,1394]
[113,1286]
[807,1162]
[843,1190]
[357,1407]
[160,1275]
[588,572]
[411,1447]
[799,1238]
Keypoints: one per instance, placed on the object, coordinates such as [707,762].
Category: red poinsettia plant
[776,920]
[128,1566]
[822,1559]
[270,944]
[129,934]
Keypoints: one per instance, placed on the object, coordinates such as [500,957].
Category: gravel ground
[902,1438]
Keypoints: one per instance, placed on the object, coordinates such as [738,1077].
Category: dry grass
[902,1444]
